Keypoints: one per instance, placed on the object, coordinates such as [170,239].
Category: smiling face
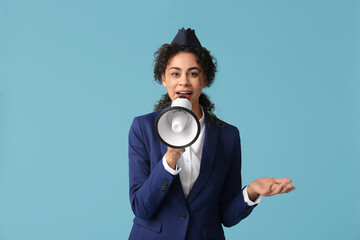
[184,76]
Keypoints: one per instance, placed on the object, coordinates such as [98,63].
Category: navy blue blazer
[157,198]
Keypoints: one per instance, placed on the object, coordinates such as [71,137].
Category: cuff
[247,199]
[169,169]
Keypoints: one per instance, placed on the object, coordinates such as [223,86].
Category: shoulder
[147,117]
[224,127]
[144,122]
[227,135]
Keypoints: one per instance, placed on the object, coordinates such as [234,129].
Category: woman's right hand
[172,156]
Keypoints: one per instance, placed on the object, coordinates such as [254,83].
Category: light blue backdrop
[73,75]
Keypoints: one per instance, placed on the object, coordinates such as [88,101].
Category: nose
[184,80]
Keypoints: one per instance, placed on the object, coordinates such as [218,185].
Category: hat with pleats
[186,38]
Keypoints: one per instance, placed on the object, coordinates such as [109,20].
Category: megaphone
[177,126]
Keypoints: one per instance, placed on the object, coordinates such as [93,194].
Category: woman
[189,193]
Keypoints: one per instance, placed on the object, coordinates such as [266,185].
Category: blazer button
[163,188]
[183,216]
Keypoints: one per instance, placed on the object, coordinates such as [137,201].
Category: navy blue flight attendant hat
[186,38]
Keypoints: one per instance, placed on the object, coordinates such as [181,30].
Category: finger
[291,189]
[276,184]
[176,150]
[182,150]
[282,180]
[287,188]
[277,189]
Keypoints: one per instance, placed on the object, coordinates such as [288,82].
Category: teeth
[184,93]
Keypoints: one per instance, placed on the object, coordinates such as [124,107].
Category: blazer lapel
[207,158]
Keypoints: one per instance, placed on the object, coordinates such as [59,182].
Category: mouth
[184,93]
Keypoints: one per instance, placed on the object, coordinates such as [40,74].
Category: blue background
[73,75]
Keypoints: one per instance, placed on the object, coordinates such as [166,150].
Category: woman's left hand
[267,186]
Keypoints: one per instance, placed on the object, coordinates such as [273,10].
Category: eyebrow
[192,68]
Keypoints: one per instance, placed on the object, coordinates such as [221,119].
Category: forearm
[233,211]
[147,194]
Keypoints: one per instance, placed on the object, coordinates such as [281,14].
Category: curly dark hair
[207,63]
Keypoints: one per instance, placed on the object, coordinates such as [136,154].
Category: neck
[197,111]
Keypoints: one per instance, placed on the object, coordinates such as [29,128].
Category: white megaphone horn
[177,126]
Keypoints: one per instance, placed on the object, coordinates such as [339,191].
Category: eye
[193,74]
[175,74]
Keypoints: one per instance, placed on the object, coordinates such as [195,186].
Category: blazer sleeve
[148,184]
[233,208]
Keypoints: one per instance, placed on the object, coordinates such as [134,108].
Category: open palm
[268,186]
